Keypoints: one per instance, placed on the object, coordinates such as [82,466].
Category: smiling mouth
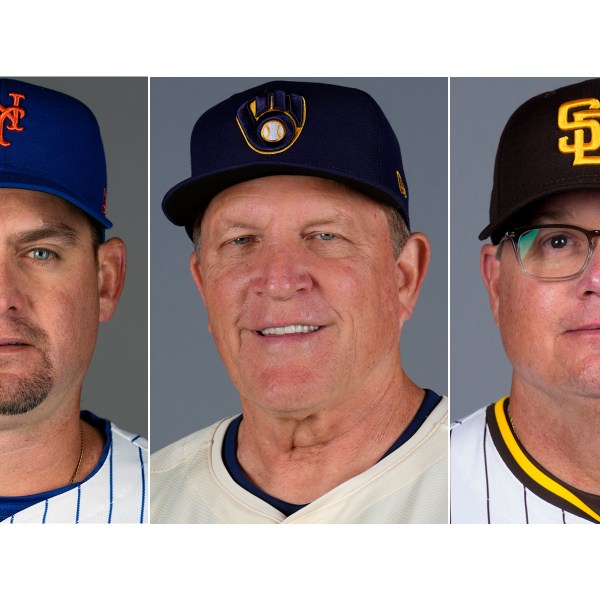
[289,329]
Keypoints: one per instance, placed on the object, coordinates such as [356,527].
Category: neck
[560,432]
[298,458]
[40,451]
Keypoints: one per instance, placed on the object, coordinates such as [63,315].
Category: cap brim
[186,201]
[582,185]
[25,181]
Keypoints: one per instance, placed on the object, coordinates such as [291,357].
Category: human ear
[411,267]
[112,258]
[490,273]
[196,272]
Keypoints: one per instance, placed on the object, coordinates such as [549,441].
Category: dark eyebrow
[60,232]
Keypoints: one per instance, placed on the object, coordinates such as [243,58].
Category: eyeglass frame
[514,235]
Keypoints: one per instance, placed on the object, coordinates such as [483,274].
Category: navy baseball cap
[291,128]
[550,145]
[50,142]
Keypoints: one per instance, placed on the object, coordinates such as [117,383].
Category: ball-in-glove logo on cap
[272,122]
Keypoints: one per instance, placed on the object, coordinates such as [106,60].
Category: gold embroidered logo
[271,122]
[401,185]
[581,120]
[12,114]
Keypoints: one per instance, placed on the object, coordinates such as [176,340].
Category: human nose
[281,272]
[589,282]
[11,292]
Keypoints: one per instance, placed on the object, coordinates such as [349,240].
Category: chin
[584,380]
[20,395]
[291,394]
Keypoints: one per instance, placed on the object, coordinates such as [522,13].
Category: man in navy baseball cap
[58,280]
[298,209]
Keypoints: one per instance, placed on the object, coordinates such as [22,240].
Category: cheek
[525,321]
[370,297]
[225,295]
[69,316]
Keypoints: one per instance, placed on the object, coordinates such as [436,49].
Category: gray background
[190,387]
[116,386]
[479,109]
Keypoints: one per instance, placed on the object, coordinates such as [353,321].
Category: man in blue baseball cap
[298,210]
[58,280]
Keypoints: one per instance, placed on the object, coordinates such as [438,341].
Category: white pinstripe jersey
[190,484]
[115,492]
[494,480]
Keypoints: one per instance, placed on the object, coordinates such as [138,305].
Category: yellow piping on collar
[530,468]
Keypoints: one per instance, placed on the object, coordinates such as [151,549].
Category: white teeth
[289,329]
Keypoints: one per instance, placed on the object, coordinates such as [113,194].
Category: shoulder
[468,437]
[125,438]
[470,441]
[184,486]
[434,427]
[186,450]
[470,425]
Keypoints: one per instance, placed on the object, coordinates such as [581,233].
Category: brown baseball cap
[550,144]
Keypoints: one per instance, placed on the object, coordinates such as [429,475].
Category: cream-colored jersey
[190,484]
[494,480]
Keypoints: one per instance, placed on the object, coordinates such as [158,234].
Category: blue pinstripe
[78,503]
[110,458]
[143,485]
[111,463]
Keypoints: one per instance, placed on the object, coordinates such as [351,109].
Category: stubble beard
[20,394]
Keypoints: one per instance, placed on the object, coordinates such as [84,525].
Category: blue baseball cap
[50,142]
[291,128]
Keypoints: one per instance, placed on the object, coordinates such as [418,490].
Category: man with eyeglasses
[534,456]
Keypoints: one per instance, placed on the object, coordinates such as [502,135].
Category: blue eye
[245,239]
[326,236]
[42,254]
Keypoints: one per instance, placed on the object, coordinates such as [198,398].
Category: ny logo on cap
[581,120]
[271,123]
[13,114]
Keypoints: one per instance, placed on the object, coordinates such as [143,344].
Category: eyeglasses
[552,251]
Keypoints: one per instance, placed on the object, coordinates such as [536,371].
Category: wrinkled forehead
[284,194]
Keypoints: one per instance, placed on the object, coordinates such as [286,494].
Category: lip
[13,341]
[589,329]
[291,336]
[6,349]
[291,328]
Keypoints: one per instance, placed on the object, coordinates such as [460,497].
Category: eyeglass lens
[553,252]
